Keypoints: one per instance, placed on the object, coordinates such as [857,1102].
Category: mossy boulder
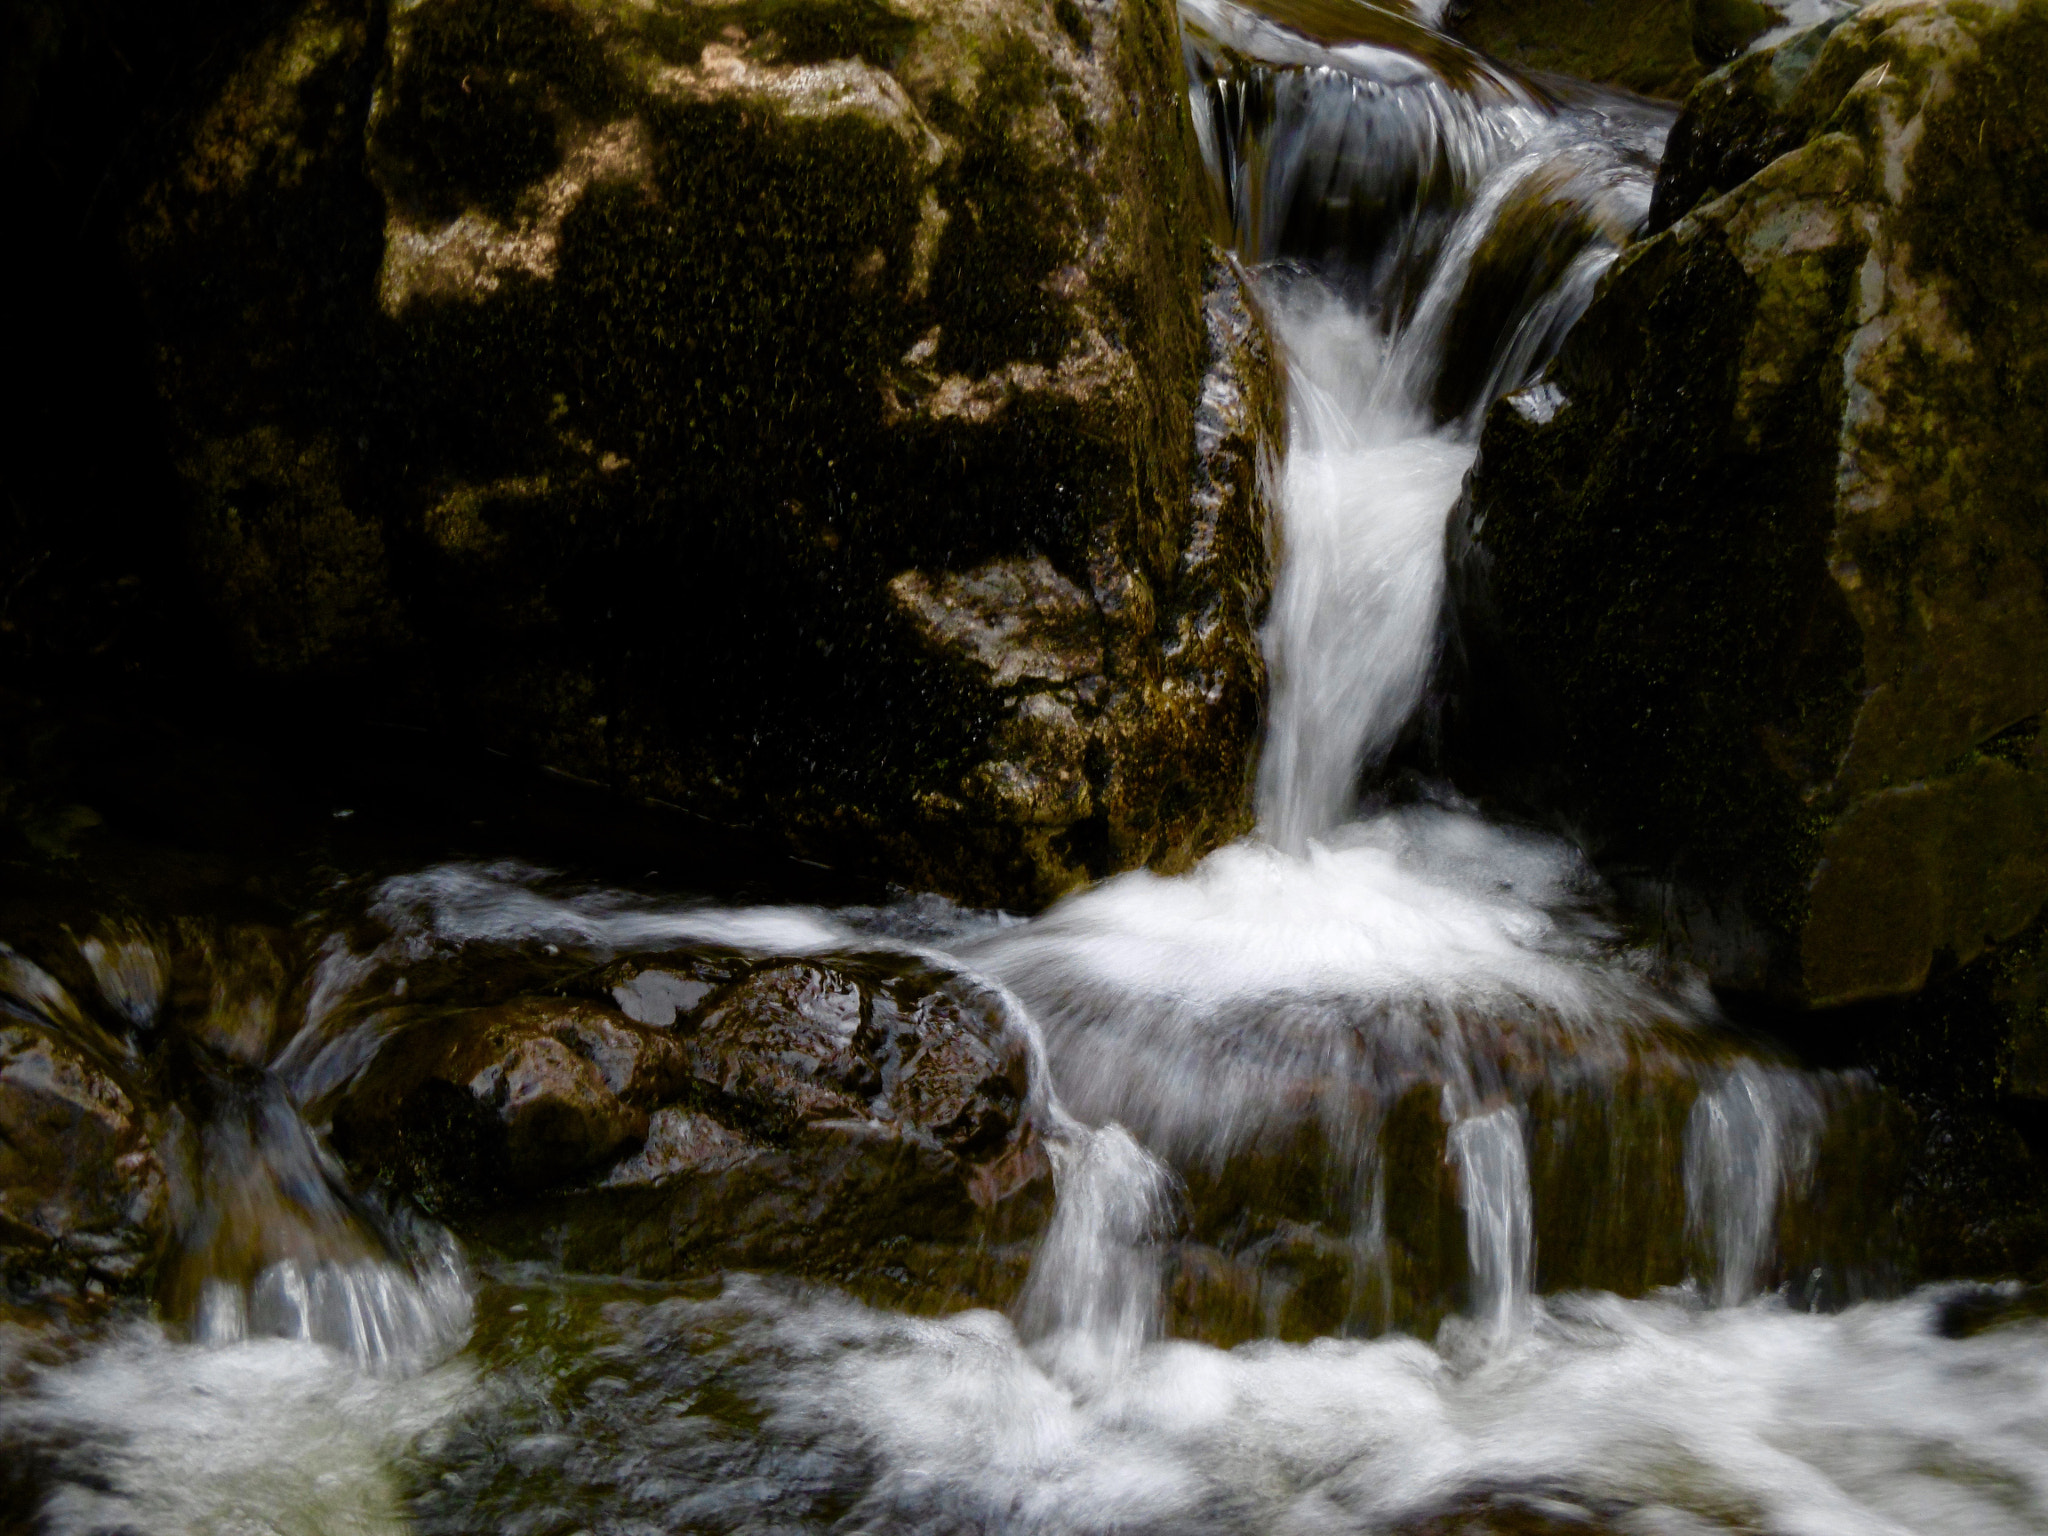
[823,413]
[1657,47]
[1753,581]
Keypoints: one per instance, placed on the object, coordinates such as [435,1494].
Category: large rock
[1762,558]
[823,413]
[1657,47]
[860,1119]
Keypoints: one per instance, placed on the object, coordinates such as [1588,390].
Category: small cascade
[1353,628]
[268,1239]
[1493,1188]
[1749,1146]
[1339,1078]
[1396,1187]
[1360,1034]
[1093,1301]
[1355,152]
[271,1243]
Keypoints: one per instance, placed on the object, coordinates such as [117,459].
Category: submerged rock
[819,413]
[1657,47]
[850,1118]
[1757,590]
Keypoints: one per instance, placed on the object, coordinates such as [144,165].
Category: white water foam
[1422,946]
[1655,1416]
[268,1437]
[1659,1417]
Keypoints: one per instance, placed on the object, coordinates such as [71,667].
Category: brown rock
[802,1043]
[782,1049]
[520,1095]
[866,1119]
[1657,47]
[82,1190]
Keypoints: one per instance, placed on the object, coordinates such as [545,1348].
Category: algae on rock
[1761,562]
[622,385]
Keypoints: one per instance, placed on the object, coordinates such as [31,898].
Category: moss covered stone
[1764,554]
[1657,47]
[620,384]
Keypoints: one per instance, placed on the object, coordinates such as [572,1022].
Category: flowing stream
[1396,1192]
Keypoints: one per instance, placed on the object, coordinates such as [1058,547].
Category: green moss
[1721,29]
[1665,582]
[1657,572]
[1746,115]
[1014,221]
[476,109]
[1972,1202]
[1073,23]
[1976,227]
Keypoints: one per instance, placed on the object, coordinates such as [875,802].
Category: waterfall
[1352,632]
[1093,1297]
[1397,1188]
[1430,228]
[1424,228]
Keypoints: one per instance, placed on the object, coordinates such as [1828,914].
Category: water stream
[1396,1190]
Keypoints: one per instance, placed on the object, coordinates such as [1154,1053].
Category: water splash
[267,1237]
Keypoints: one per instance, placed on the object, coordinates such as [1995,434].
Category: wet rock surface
[865,1119]
[1307,1232]
[1758,565]
[83,1196]
[527,1093]
[812,414]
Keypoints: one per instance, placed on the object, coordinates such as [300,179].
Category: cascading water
[1493,1186]
[1426,229]
[1385,1072]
